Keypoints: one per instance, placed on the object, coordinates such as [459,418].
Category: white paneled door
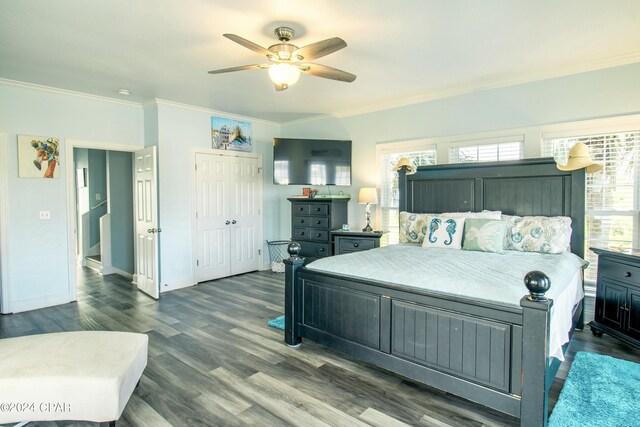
[227,215]
[146,211]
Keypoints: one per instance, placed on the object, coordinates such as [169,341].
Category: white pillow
[443,232]
[475,215]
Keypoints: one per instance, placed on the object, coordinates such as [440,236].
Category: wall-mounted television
[311,161]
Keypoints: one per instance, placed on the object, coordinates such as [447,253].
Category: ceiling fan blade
[281,87]
[327,72]
[248,44]
[320,49]
[240,68]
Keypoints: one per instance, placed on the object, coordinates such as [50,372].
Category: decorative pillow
[444,232]
[547,235]
[486,235]
[413,226]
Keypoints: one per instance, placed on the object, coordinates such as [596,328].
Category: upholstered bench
[86,376]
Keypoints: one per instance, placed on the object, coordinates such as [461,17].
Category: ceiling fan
[286,60]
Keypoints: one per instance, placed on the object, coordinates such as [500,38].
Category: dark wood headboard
[521,187]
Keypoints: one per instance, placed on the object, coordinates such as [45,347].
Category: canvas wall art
[38,157]
[229,134]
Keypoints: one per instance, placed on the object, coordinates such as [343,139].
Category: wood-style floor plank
[213,361]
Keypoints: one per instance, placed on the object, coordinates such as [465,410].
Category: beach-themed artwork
[38,157]
[229,134]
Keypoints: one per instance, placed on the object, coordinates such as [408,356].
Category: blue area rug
[599,391]
[278,322]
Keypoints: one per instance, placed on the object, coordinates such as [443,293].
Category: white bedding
[479,276]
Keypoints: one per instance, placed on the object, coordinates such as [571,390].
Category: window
[389,200]
[612,202]
[509,148]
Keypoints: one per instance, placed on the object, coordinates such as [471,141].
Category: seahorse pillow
[486,235]
[443,232]
[413,226]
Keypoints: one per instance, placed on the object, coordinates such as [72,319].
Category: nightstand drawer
[620,272]
[355,244]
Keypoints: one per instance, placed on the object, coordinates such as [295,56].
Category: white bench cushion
[85,376]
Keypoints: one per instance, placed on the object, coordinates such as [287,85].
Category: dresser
[618,295]
[345,242]
[312,221]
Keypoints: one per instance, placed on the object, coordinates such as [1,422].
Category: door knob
[233,222]
[227,223]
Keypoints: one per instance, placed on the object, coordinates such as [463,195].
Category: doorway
[111,197]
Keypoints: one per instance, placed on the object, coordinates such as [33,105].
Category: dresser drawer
[319,222]
[319,234]
[301,221]
[318,209]
[315,249]
[300,208]
[300,233]
[620,272]
[353,244]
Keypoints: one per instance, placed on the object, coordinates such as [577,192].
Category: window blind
[389,196]
[489,151]
[612,195]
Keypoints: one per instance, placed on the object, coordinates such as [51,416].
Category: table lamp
[368,196]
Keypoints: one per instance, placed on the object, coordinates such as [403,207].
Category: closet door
[244,205]
[213,221]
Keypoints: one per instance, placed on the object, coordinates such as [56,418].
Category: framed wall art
[38,157]
[227,134]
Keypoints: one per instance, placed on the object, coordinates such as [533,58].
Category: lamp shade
[368,195]
[284,74]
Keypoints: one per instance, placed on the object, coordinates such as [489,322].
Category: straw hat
[404,163]
[579,158]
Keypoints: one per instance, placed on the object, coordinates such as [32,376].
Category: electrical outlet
[45,215]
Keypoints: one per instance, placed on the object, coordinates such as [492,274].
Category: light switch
[45,215]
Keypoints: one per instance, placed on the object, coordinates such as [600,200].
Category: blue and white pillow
[443,232]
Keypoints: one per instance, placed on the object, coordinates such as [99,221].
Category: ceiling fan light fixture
[284,74]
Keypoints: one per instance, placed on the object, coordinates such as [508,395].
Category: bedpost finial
[294,249]
[538,284]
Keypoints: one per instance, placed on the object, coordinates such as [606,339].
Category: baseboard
[122,273]
[167,287]
[40,302]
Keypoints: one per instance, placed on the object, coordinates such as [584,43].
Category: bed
[496,352]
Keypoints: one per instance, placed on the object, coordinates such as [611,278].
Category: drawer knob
[355,245]
[302,233]
[627,274]
[302,221]
[318,222]
[317,209]
[321,249]
[318,235]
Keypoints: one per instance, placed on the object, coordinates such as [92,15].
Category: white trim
[72,226]
[59,91]
[40,302]
[219,113]
[126,274]
[486,141]
[5,288]
[192,194]
[497,83]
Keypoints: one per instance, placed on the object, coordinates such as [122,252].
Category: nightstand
[618,295]
[345,242]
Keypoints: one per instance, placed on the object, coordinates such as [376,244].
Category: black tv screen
[311,162]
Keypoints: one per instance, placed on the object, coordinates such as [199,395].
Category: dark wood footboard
[492,355]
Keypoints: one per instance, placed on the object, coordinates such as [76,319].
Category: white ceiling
[402,51]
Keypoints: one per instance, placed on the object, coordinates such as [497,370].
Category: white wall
[604,93]
[37,261]
[180,129]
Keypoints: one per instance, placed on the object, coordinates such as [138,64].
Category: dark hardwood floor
[213,361]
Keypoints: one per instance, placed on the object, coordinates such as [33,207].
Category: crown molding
[307,119]
[49,89]
[224,114]
[496,83]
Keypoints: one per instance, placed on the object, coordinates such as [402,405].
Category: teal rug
[278,322]
[599,391]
